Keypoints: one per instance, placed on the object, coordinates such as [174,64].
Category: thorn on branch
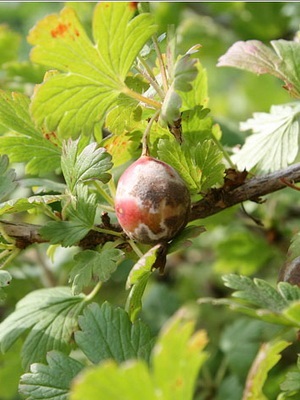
[290,183]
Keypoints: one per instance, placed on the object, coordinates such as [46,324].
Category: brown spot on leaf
[60,30]
[51,136]
[133,5]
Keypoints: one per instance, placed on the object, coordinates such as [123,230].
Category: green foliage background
[232,242]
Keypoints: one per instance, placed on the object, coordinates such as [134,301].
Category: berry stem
[142,99]
[93,293]
[136,249]
[147,73]
[103,193]
[161,64]
[145,138]
[107,231]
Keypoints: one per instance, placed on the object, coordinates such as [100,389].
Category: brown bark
[215,201]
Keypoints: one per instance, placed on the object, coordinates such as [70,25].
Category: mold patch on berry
[152,201]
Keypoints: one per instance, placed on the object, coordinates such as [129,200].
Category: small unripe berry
[152,201]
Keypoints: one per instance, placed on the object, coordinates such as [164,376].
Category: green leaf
[257,292]
[171,152]
[50,315]
[199,94]
[196,124]
[274,142]
[185,71]
[25,204]
[130,381]
[124,118]
[138,278]
[177,358]
[199,164]
[93,74]
[92,163]
[292,380]
[123,147]
[107,332]
[254,56]
[25,143]
[267,357]
[41,185]
[292,313]
[175,363]
[208,158]
[258,299]
[81,215]
[7,178]
[93,266]
[289,292]
[50,381]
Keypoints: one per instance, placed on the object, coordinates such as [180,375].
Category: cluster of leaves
[280,306]
[58,131]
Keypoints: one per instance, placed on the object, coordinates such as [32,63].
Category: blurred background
[233,242]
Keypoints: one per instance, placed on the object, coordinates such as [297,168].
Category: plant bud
[152,201]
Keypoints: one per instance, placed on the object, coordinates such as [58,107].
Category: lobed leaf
[80,214]
[92,266]
[93,74]
[258,299]
[176,360]
[91,163]
[274,142]
[199,164]
[107,333]
[254,56]
[172,153]
[50,381]
[50,315]
[208,158]
[257,292]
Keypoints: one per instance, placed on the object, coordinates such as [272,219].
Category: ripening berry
[152,201]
